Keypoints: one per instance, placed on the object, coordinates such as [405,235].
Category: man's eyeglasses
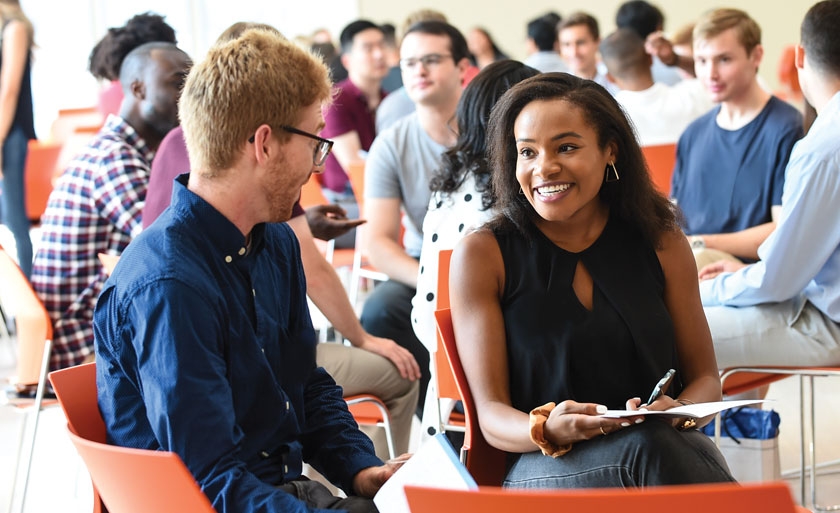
[429,61]
[322,149]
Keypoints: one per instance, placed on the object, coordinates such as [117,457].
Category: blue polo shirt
[727,180]
[206,349]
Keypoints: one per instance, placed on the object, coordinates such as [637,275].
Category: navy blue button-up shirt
[206,348]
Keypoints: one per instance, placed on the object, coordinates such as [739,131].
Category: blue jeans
[14,195]
[652,453]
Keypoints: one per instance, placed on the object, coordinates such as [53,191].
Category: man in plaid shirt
[97,203]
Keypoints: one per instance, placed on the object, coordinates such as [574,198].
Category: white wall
[506,20]
[66,30]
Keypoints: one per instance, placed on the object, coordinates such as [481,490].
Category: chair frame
[382,418]
[769,374]
[34,336]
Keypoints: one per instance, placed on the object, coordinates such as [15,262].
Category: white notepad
[435,464]
[694,411]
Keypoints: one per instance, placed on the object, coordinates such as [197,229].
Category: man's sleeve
[791,135]
[804,239]
[120,191]
[337,119]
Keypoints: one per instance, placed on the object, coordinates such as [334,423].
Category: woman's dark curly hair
[469,155]
[108,54]
[633,198]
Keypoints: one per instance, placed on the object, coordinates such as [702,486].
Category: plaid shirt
[95,208]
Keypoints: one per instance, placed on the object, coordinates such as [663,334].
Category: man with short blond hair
[729,174]
[204,342]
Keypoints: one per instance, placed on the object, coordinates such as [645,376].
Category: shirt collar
[216,228]
[126,132]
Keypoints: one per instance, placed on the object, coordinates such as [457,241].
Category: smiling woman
[583,292]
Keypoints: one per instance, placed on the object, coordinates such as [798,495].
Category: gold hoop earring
[611,177]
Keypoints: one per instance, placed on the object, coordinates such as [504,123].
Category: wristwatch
[697,242]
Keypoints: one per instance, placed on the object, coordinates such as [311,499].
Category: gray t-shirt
[400,164]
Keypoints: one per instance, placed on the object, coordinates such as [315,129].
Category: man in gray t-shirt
[402,159]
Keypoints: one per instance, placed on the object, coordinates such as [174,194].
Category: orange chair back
[445,379]
[485,463]
[311,195]
[75,388]
[356,175]
[661,160]
[720,498]
[140,481]
[68,120]
[41,162]
[34,326]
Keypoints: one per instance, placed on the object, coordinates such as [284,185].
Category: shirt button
[285,469]
[264,454]
[242,251]
[254,292]
[287,405]
[228,259]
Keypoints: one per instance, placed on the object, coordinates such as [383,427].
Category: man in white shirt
[659,112]
[785,308]
[542,56]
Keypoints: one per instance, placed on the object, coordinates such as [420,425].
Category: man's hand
[398,355]
[657,45]
[368,481]
[719,267]
[329,221]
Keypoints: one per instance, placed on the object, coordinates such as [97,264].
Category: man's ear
[799,56]
[138,90]
[345,58]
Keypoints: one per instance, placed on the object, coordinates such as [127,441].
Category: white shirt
[449,218]
[661,112]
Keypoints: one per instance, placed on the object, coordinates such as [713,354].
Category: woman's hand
[571,422]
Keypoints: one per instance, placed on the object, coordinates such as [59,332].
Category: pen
[661,386]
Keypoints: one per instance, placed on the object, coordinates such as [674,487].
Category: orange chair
[68,120]
[139,481]
[661,160]
[368,409]
[41,162]
[361,268]
[108,261]
[720,498]
[34,335]
[736,380]
[443,393]
[485,463]
[75,388]
[167,485]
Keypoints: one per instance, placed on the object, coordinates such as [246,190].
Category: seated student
[204,342]
[659,112]
[730,166]
[402,159]
[373,365]
[785,308]
[541,46]
[582,292]
[645,19]
[96,204]
[579,37]
[462,199]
